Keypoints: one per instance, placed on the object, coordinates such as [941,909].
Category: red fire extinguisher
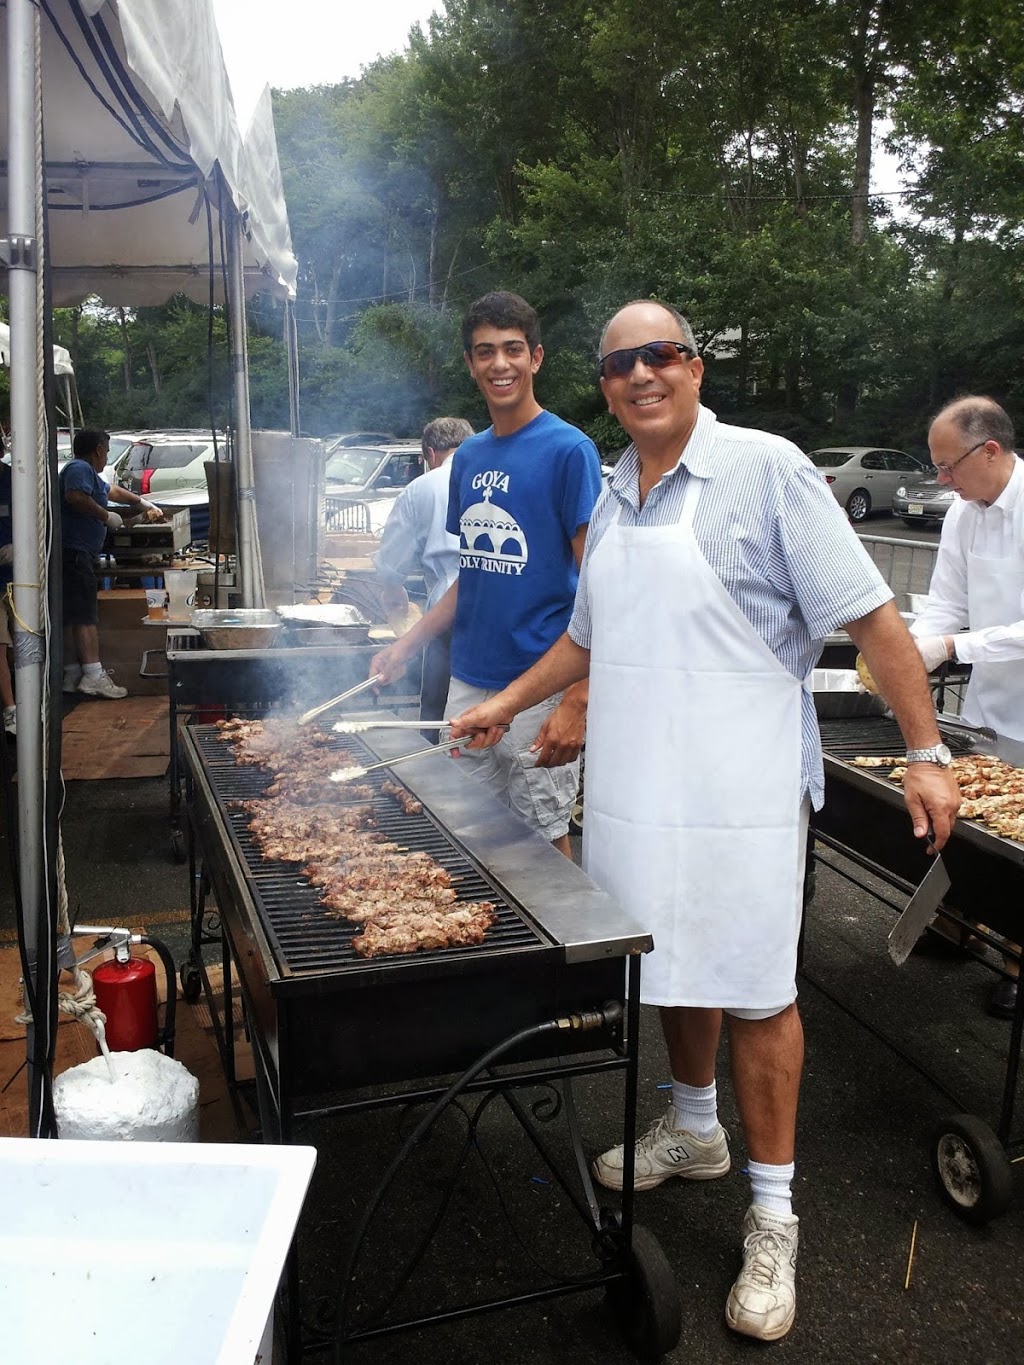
[126,993]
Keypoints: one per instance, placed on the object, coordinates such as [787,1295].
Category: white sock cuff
[771,1186]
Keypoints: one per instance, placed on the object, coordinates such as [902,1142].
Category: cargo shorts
[543,797]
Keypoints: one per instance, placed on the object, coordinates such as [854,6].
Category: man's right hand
[487,723]
[114,521]
[389,665]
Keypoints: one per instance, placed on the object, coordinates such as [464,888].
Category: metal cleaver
[920,910]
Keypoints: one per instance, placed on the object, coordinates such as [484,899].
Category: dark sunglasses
[656,355]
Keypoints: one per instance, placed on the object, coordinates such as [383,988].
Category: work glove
[150,510]
[6,554]
[114,521]
[933,651]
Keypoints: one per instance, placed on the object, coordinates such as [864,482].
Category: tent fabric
[138,122]
[61,355]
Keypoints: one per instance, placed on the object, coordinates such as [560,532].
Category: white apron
[693,788]
[995,695]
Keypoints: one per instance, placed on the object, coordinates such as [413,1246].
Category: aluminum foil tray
[241,628]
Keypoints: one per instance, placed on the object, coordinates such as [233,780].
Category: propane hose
[609,1015]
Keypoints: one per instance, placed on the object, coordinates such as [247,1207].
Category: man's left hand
[561,737]
[933,649]
[151,511]
[933,799]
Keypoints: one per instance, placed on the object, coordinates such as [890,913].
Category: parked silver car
[923,501]
[864,479]
[168,462]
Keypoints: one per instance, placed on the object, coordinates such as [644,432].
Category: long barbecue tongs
[331,702]
[354,773]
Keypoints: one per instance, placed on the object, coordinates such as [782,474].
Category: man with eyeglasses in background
[415,539]
[974,613]
[716,564]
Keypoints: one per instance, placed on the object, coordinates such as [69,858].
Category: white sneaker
[103,686]
[762,1302]
[11,720]
[664,1151]
[72,677]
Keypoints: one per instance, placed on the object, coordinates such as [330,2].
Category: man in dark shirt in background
[85,520]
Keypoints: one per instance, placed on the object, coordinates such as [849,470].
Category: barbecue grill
[251,681]
[865,821]
[324,1022]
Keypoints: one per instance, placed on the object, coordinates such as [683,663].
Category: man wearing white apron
[716,563]
[975,607]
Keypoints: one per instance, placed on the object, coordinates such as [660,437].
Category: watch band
[938,754]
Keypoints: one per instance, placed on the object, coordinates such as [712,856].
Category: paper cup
[156,603]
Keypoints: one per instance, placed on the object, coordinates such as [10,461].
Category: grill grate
[875,737]
[305,937]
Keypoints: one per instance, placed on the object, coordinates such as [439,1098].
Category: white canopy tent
[62,366]
[148,189]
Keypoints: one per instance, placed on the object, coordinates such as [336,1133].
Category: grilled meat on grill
[404,900]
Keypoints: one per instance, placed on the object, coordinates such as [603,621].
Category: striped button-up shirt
[775,536]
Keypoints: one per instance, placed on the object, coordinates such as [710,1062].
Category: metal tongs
[329,705]
[357,727]
[354,773]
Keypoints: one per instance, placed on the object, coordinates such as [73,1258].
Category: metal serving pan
[839,695]
[242,628]
[325,623]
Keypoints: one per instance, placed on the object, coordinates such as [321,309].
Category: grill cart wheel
[191,981]
[646,1303]
[858,504]
[972,1168]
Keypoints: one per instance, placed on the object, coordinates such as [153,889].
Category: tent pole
[250,575]
[29,591]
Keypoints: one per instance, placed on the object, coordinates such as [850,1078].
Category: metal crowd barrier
[343,515]
[906,565]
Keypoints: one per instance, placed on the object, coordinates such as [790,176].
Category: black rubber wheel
[972,1169]
[191,982]
[646,1302]
[177,846]
[858,505]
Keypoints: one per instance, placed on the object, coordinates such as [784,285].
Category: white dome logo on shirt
[491,538]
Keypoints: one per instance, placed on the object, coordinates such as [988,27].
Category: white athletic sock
[695,1108]
[770,1186]
[91,670]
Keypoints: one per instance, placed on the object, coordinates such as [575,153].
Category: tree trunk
[432,260]
[154,366]
[742,368]
[122,319]
[332,305]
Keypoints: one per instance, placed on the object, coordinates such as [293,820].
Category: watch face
[943,754]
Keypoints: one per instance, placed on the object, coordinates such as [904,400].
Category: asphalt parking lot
[863,1180]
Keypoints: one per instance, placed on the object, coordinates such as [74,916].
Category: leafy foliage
[715,155]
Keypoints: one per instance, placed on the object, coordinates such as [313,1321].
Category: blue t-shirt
[78,532]
[6,524]
[515,502]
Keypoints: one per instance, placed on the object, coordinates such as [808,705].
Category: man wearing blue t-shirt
[520,499]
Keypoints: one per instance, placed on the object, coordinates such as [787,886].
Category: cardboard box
[121,607]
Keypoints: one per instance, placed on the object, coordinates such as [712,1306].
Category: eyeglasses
[656,355]
[947,469]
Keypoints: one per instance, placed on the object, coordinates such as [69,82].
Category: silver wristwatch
[938,753]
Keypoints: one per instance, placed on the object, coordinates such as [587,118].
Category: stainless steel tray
[242,628]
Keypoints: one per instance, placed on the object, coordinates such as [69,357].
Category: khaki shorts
[543,797]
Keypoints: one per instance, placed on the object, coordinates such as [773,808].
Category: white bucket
[153,1099]
[181,592]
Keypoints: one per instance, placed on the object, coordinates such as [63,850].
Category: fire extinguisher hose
[165,1036]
